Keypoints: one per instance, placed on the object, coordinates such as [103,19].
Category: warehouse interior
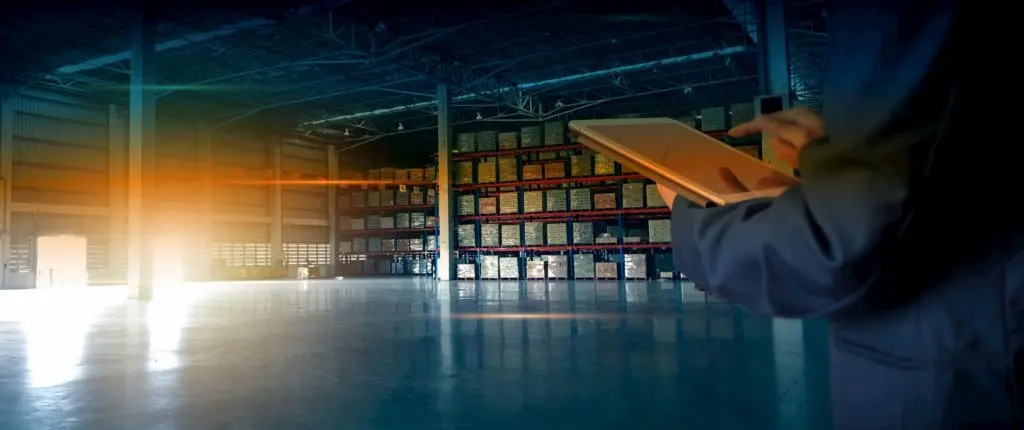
[221,215]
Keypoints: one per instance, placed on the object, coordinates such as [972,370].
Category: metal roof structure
[360,70]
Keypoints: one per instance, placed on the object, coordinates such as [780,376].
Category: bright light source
[168,261]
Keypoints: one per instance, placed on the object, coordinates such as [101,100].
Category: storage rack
[646,258]
[406,247]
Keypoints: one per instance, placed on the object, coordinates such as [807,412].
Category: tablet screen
[688,153]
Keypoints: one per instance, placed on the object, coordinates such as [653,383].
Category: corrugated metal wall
[61,152]
[242,171]
[45,126]
[304,163]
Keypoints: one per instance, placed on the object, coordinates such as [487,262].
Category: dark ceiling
[360,69]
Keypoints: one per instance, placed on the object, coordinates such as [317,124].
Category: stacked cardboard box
[583,165]
[536,269]
[533,201]
[508,169]
[659,230]
[534,232]
[509,267]
[583,233]
[402,220]
[508,140]
[580,199]
[606,270]
[654,199]
[487,141]
[510,235]
[603,165]
[556,200]
[464,172]
[466,204]
[467,236]
[604,201]
[488,205]
[557,233]
[489,267]
[417,220]
[530,137]
[583,266]
[509,203]
[557,267]
[465,270]
[635,266]
[633,195]
[554,133]
[465,142]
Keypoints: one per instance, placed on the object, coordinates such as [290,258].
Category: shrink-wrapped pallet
[583,164]
[490,235]
[487,141]
[373,244]
[359,244]
[416,197]
[635,266]
[556,200]
[583,266]
[373,222]
[554,133]
[488,205]
[557,233]
[554,170]
[557,266]
[582,233]
[508,140]
[536,269]
[464,172]
[579,199]
[603,165]
[416,244]
[387,174]
[533,201]
[489,267]
[431,221]
[431,196]
[659,230]
[654,199]
[387,222]
[384,267]
[373,199]
[401,198]
[604,201]
[606,270]
[466,205]
[508,267]
[402,245]
[402,220]
[532,172]
[465,142]
[510,235]
[633,195]
[509,202]
[465,271]
[387,198]
[467,236]
[345,247]
[344,201]
[401,175]
[359,199]
[430,173]
[344,223]
[508,169]
[417,175]
[417,220]
[530,137]
[432,243]
[534,234]
[487,171]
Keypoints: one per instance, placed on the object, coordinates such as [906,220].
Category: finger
[785,152]
[775,180]
[757,125]
[803,116]
[731,181]
[794,134]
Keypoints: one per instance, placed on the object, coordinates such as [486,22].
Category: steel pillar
[6,173]
[117,190]
[332,207]
[277,206]
[445,202]
[141,155]
[204,237]
[774,62]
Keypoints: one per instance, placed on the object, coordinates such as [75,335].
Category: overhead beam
[536,85]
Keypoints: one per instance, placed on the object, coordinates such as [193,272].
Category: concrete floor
[400,354]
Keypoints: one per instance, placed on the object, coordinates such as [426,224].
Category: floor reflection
[400,353]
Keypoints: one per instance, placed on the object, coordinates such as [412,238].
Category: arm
[810,251]
[815,249]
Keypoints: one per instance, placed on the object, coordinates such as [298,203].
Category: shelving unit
[388,233]
[532,208]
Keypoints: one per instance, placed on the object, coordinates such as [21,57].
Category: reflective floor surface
[404,354]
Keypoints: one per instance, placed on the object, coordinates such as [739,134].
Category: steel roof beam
[536,85]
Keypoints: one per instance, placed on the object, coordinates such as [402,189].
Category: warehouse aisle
[398,354]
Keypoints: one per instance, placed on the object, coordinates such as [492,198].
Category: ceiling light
[346,132]
[400,126]
[479,117]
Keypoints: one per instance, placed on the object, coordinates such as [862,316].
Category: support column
[332,207]
[204,234]
[787,334]
[774,76]
[117,195]
[6,175]
[276,207]
[445,220]
[141,155]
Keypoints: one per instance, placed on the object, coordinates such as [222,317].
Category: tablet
[681,158]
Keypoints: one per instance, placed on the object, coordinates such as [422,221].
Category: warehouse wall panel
[304,163]
[236,232]
[305,234]
[59,150]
